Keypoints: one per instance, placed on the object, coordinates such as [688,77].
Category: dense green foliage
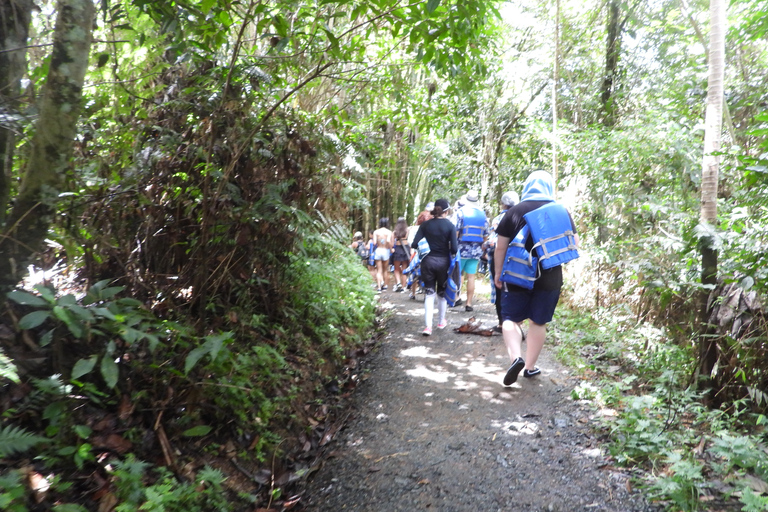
[195,286]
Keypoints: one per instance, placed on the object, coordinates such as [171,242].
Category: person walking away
[384,243]
[440,234]
[357,240]
[472,227]
[537,305]
[508,200]
[412,230]
[401,254]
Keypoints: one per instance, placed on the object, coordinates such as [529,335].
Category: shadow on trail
[433,428]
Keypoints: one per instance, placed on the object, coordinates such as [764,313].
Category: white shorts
[382,254]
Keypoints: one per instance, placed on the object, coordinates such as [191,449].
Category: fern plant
[17,440]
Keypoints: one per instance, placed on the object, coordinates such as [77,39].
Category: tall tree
[51,147]
[710,167]
[15,17]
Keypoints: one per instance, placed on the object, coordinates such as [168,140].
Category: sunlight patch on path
[425,373]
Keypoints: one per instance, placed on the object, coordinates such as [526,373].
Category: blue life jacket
[473,225]
[451,288]
[520,267]
[371,254]
[553,239]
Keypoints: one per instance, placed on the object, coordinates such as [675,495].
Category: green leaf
[46,293]
[69,507]
[82,431]
[17,440]
[215,341]
[432,5]
[109,371]
[193,357]
[198,431]
[72,323]
[34,319]
[105,313]
[68,300]
[212,346]
[26,299]
[84,366]
[47,338]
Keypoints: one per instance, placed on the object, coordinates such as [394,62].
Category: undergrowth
[137,412]
[653,420]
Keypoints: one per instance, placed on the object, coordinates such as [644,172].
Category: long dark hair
[401,228]
[384,222]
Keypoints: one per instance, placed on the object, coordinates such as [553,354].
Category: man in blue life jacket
[536,299]
[472,230]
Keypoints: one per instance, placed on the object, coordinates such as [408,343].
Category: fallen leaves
[474,326]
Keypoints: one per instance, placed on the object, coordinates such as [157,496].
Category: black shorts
[434,272]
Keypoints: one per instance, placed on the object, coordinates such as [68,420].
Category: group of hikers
[524,248]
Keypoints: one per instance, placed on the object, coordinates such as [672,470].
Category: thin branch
[236,51]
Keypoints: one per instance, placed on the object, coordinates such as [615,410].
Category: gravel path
[433,428]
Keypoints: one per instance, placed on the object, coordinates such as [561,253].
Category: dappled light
[193,303]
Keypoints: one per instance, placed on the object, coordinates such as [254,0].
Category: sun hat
[510,198]
[472,196]
[358,234]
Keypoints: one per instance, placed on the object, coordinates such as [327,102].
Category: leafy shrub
[339,310]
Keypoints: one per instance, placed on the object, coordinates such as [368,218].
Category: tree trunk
[709,174]
[612,51]
[44,177]
[15,16]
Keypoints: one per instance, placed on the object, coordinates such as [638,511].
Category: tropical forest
[183,320]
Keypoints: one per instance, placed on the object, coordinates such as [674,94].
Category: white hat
[430,206]
[510,198]
[472,196]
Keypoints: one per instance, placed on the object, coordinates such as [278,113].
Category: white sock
[442,305]
[429,309]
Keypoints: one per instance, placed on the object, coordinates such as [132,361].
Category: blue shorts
[536,305]
[469,266]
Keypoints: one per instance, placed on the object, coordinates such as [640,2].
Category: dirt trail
[433,428]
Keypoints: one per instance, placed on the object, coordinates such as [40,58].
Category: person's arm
[499,255]
[454,243]
[417,238]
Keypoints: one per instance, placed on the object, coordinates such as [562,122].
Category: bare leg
[513,338]
[534,342]
[380,273]
[470,288]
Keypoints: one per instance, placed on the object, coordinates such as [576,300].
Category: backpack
[363,251]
